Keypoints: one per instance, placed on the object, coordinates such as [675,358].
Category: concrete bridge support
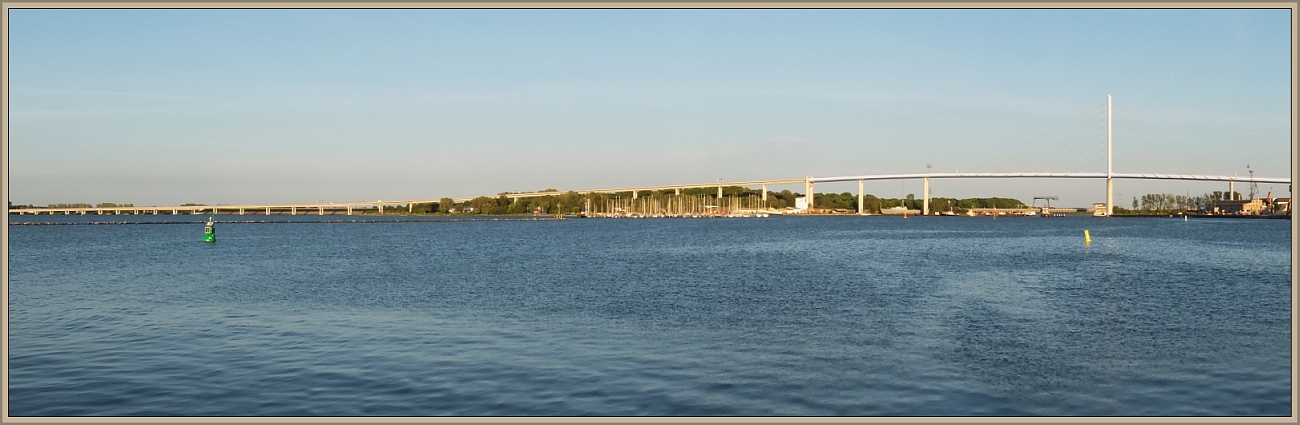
[925,193]
[320,211]
[719,192]
[268,210]
[860,211]
[808,192]
[765,194]
[241,211]
[293,210]
[1110,197]
[349,210]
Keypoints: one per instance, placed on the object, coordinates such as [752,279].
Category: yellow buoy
[1086,239]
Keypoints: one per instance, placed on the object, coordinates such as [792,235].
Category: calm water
[777,316]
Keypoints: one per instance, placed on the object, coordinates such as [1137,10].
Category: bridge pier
[268,210]
[764,195]
[1110,196]
[808,188]
[677,191]
[925,193]
[320,211]
[860,197]
[241,211]
[719,192]
[349,210]
[381,209]
[293,210]
[1231,191]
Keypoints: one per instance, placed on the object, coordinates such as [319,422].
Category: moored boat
[899,210]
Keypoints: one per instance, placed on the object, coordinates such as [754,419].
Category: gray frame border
[1294,6]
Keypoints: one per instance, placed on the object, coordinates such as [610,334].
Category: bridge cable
[1169,156]
[1047,147]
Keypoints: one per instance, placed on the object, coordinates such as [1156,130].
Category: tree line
[873,204]
[572,202]
[1164,203]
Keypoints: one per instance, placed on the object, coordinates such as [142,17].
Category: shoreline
[450,219]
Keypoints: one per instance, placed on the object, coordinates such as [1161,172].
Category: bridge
[809,182]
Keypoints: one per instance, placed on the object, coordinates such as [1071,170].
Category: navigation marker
[210,231]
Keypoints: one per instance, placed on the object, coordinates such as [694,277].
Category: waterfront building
[1240,207]
[801,204]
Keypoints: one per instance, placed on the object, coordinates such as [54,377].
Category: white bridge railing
[1146,176]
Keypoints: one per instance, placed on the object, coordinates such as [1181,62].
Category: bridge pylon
[1110,175]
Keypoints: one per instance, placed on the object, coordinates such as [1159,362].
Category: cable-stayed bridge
[337,207]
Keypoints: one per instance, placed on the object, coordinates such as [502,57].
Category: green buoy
[210,231]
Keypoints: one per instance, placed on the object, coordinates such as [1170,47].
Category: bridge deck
[1146,176]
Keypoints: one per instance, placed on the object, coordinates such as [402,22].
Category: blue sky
[161,107]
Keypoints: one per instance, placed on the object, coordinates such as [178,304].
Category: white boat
[899,210]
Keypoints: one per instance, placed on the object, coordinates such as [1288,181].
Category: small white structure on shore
[800,205]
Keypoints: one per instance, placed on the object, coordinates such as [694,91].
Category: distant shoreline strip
[83,223]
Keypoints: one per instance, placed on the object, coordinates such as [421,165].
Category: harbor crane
[1047,200]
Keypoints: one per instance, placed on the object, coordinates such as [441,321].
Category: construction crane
[1254,187]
